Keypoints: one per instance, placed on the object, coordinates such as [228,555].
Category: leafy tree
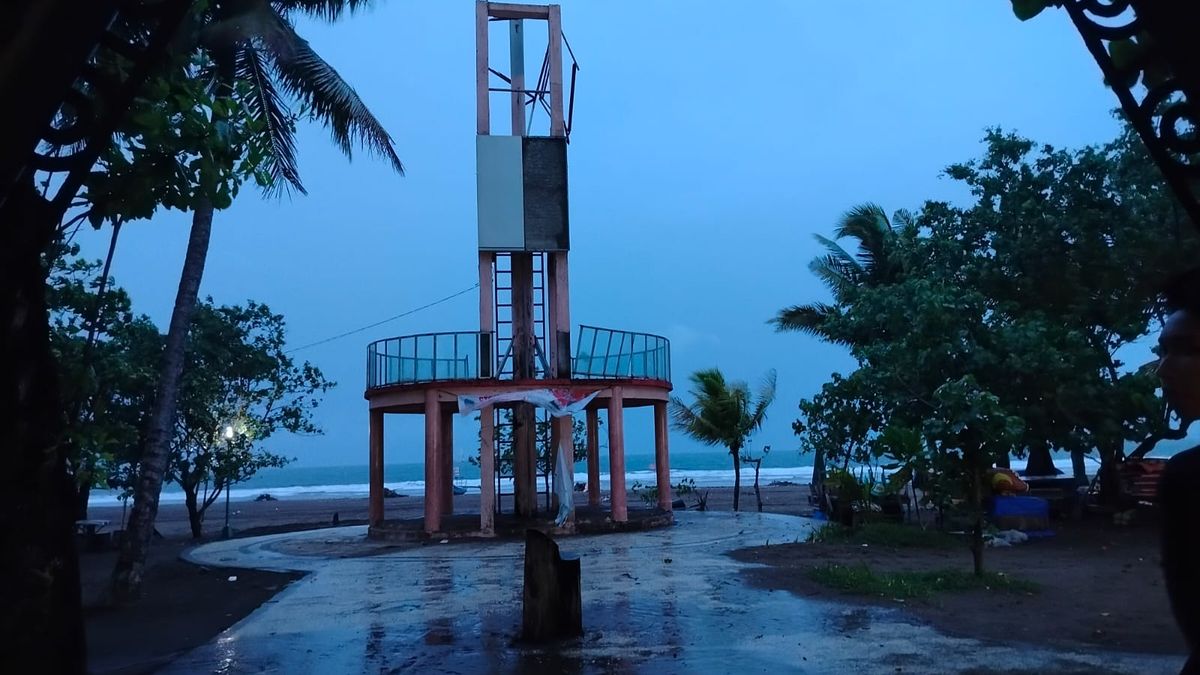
[104,354]
[835,425]
[1070,248]
[1030,291]
[723,413]
[239,389]
[253,54]
[204,147]
[970,425]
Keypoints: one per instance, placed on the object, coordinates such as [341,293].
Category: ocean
[706,469]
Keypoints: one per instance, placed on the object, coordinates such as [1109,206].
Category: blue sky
[710,143]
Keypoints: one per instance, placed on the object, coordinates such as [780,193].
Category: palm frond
[764,397]
[326,10]
[332,100]
[870,226]
[838,277]
[690,422]
[863,222]
[838,253]
[710,384]
[265,106]
[812,319]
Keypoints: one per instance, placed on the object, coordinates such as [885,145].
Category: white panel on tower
[500,193]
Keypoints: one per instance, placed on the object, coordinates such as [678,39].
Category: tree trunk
[757,493]
[977,528]
[81,500]
[737,479]
[127,576]
[1040,463]
[94,316]
[195,515]
[818,476]
[42,621]
[1110,483]
[1078,468]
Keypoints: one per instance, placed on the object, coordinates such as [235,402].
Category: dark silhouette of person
[1179,491]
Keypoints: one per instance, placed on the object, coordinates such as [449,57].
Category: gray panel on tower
[500,193]
[544,164]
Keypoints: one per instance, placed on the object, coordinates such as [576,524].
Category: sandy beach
[172,522]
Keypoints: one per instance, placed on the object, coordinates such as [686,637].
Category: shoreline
[172,521]
[296,489]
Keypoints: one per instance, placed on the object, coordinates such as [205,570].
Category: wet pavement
[657,602]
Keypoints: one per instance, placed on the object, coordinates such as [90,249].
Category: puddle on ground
[852,620]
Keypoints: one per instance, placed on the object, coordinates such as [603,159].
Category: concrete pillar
[487,470]
[375,502]
[433,465]
[593,456]
[524,435]
[662,459]
[559,306]
[447,449]
[487,314]
[616,456]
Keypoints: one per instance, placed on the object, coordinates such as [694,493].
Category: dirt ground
[1100,585]
[183,605]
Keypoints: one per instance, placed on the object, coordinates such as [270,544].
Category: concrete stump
[552,607]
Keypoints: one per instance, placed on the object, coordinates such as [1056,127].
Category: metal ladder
[503,303]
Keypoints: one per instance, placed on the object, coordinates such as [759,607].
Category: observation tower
[525,362]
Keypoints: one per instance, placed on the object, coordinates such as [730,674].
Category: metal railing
[609,353]
[600,353]
[429,357]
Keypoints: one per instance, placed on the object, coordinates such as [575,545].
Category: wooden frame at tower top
[552,15]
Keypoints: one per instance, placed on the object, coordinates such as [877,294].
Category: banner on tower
[558,402]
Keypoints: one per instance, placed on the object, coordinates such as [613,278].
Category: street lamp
[228,484]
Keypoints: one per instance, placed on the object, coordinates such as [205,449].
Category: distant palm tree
[255,52]
[724,413]
[874,264]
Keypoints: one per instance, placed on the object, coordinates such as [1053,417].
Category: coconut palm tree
[723,413]
[874,263]
[255,58]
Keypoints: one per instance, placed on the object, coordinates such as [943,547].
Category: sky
[710,143]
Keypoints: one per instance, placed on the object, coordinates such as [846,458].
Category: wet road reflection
[658,601]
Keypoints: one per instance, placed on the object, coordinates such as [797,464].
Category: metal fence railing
[609,353]
[429,357]
[600,353]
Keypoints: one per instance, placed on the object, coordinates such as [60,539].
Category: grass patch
[860,580]
[884,534]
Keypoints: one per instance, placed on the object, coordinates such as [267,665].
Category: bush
[649,495]
[884,534]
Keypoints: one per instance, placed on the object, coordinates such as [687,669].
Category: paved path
[656,602]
